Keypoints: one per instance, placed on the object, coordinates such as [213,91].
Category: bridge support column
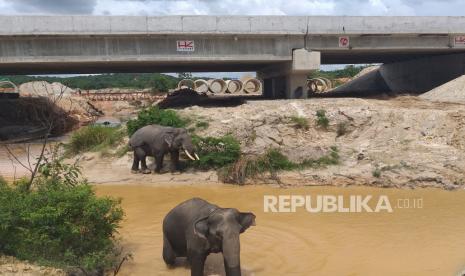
[289,79]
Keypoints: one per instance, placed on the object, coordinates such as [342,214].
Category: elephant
[195,228]
[156,141]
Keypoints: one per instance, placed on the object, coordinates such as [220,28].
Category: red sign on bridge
[344,42]
[185,46]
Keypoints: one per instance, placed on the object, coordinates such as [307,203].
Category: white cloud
[235,7]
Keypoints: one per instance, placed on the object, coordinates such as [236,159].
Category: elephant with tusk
[156,141]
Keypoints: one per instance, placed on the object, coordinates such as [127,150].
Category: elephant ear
[246,220]
[169,138]
[201,227]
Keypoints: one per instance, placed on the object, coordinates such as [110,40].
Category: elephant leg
[174,161]
[159,162]
[135,163]
[168,253]
[197,262]
[141,155]
[144,166]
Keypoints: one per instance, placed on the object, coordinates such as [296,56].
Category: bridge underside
[63,65]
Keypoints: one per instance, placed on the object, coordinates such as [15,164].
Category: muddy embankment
[42,105]
[402,142]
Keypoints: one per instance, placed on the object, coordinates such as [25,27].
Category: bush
[60,223]
[94,138]
[321,119]
[155,115]
[216,152]
[271,162]
[202,124]
[300,122]
[341,129]
[376,172]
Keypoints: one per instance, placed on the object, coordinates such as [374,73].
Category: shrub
[2,181]
[332,158]
[94,138]
[300,122]
[202,124]
[59,223]
[341,129]
[321,119]
[271,162]
[216,152]
[376,172]
[155,115]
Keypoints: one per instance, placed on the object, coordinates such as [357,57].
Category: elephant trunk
[231,254]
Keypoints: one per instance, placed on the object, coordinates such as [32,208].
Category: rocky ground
[10,266]
[402,142]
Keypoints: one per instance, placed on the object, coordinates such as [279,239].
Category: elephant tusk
[190,156]
[196,156]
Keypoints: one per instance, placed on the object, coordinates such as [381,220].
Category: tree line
[155,81]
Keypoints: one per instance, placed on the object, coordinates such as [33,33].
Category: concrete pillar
[288,80]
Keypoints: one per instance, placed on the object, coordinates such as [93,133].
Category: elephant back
[146,135]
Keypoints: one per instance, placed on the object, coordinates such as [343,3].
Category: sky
[233,7]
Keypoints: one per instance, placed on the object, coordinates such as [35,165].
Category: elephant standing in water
[196,228]
[156,141]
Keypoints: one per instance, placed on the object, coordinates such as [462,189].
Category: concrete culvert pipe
[234,86]
[186,83]
[312,86]
[217,86]
[329,84]
[201,86]
[252,86]
[323,84]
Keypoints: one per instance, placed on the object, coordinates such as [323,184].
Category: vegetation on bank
[59,221]
[216,152]
[155,115]
[321,119]
[94,138]
[270,163]
[349,71]
[154,81]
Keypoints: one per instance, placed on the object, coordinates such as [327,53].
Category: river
[409,241]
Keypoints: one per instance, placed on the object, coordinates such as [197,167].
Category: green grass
[271,162]
[155,115]
[321,119]
[300,122]
[94,138]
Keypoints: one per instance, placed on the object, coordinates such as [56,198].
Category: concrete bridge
[281,49]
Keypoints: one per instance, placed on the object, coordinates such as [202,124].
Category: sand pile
[63,96]
[452,91]
[12,266]
[44,89]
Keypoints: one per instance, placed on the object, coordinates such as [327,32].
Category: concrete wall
[292,25]
[412,76]
[421,75]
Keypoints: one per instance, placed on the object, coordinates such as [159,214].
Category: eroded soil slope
[402,142]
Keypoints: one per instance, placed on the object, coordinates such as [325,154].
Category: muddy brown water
[414,241]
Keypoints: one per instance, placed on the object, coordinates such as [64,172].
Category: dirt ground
[401,142]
